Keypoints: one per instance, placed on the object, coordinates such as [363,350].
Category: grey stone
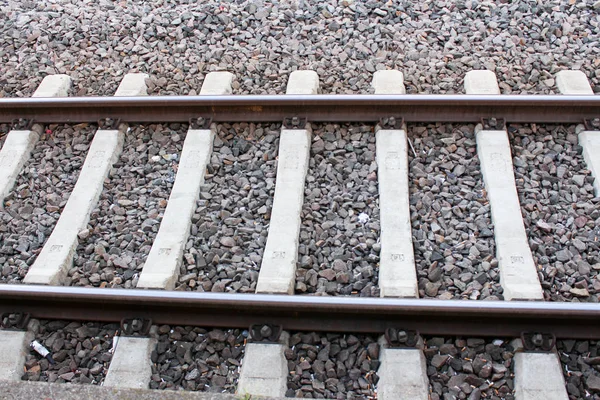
[593,383]
[438,360]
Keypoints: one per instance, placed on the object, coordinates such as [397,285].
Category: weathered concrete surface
[402,375]
[575,82]
[590,142]
[63,391]
[388,82]
[538,376]
[133,84]
[518,275]
[14,154]
[14,346]
[19,143]
[54,86]
[303,82]
[161,269]
[217,83]
[130,366]
[264,370]
[481,82]
[56,256]
[278,267]
[397,272]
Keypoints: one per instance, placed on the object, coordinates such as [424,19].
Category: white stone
[573,82]
[576,83]
[14,346]
[303,82]
[397,273]
[538,376]
[217,83]
[518,275]
[133,84]
[56,256]
[388,82]
[161,268]
[278,268]
[54,86]
[402,375]
[19,143]
[264,371]
[131,366]
[481,82]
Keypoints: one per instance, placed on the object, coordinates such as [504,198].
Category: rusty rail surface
[318,108]
[320,313]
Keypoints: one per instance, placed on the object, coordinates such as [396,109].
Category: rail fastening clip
[399,338]
[200,123]
[15,321]
[538,342]
[265,333]
[136,326]
[391,122]
[493,124]
[294,122]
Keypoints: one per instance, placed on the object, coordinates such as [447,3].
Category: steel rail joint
[320,313]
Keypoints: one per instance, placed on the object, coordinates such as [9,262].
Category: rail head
[341,314]
[458,108]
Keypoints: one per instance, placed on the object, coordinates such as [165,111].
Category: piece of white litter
[156,158]
[115,342]
[42,351]
[412,148]
[498,342]
[170,157]
[363,218]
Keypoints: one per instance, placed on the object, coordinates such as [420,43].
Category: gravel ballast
[81,351]
[4,129]
[580,365]
[39,194]
[178,42]
[115,244]
[338,252]
[470,368]
[332,366]
[453,235]
[560,211]
[190,358]
[230,225]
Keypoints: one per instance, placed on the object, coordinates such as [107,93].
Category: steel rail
[318,108]
[335,314]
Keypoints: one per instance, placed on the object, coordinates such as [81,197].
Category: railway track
[223,221]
